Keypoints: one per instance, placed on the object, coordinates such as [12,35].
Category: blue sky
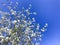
[48,11]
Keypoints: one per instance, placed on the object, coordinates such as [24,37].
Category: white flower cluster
[18,28]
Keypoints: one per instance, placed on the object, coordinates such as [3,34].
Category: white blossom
[22,29]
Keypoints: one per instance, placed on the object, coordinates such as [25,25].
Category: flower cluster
[18,28]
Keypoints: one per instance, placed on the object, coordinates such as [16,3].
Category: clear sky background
[48,11]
